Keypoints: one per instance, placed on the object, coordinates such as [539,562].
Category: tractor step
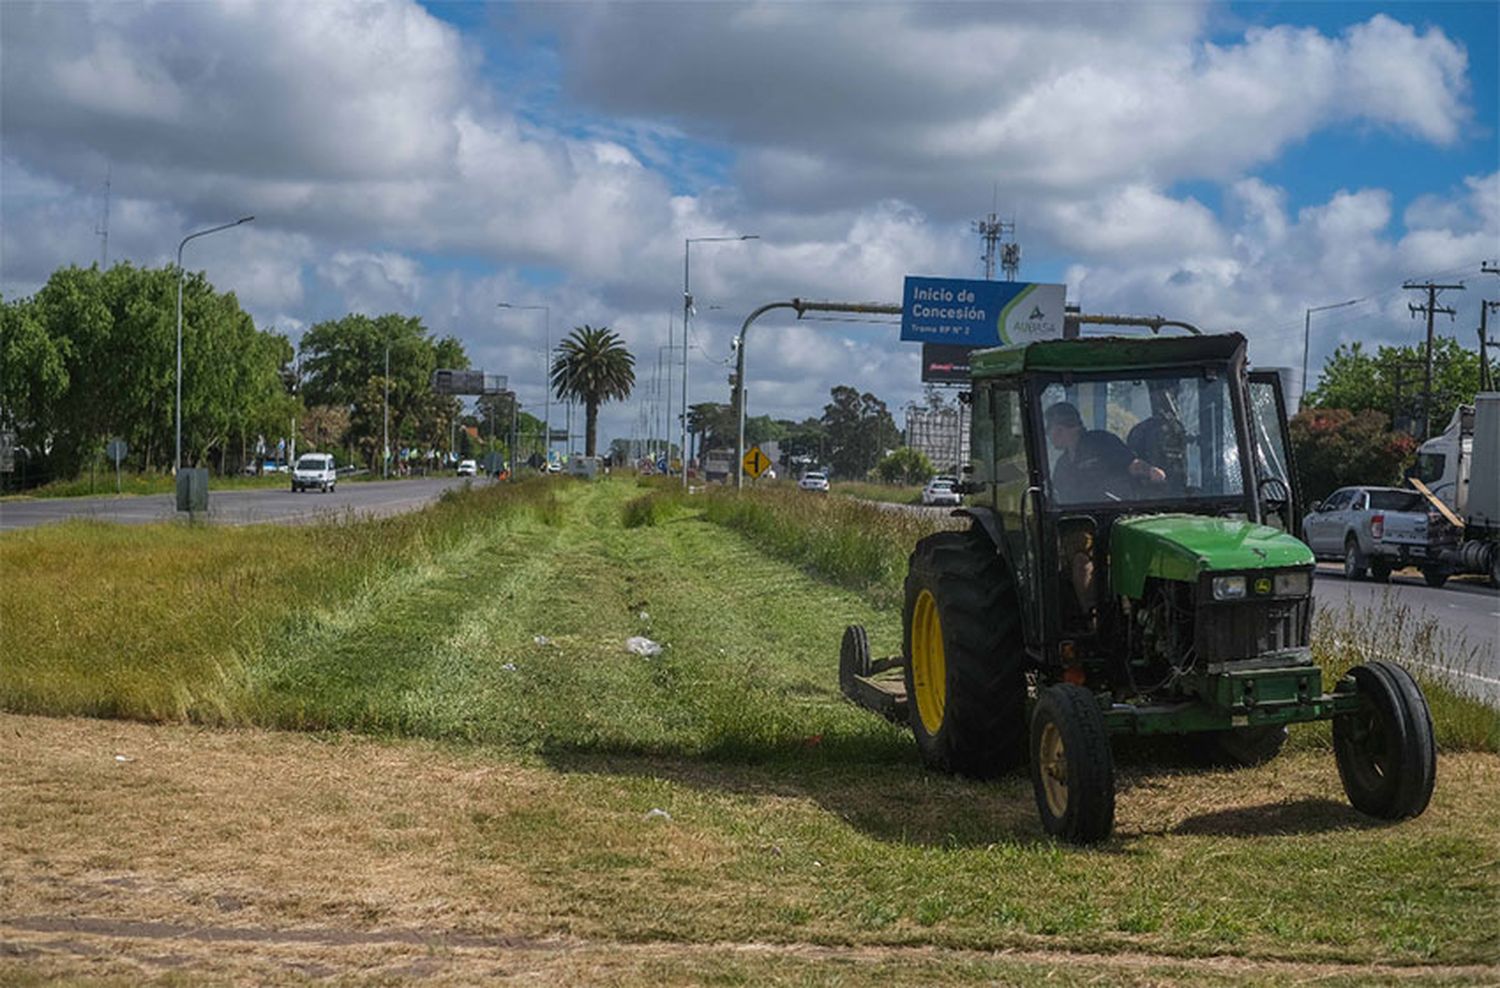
[884,696]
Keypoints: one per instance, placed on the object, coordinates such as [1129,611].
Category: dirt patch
[133,853]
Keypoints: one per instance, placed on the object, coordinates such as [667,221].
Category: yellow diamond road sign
[756,462]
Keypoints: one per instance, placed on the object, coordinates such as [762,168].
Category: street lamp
[687,311]
[1306,336]
[385,415]
[177,460]
[546,369]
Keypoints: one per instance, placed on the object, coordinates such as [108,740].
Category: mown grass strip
[161,622]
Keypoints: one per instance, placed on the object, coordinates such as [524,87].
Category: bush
[1335,448]
[905,466]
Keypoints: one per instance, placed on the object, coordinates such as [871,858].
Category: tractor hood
[1183,547]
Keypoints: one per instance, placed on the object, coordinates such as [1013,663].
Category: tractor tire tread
[984,729]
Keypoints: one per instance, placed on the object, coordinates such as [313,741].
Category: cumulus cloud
[394,164]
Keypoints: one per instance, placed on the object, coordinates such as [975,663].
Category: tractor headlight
[1229,588]
[1293,584]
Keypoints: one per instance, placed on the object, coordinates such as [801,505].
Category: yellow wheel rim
[1052,760]
[929,667]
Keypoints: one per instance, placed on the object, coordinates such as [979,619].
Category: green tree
[860,430]
[1390,380]
[714,423]
[593,367]
[94,356]
[343,366]
[807,440]
[905,466]
[1335,447]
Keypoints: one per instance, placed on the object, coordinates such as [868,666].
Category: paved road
[1466,612]
[245,507]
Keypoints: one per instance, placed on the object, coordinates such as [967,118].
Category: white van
[314,470]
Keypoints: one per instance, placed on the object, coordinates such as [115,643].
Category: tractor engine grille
[1251,628]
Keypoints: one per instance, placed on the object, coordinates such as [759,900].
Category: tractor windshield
[1132,439]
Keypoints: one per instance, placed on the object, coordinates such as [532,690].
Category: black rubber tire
[854,657]
[1386,752]
[1380,570]
[1087,813]
[983,729]
[1248,746]
[1354,560]
[1435,577]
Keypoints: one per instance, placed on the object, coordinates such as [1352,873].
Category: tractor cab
[1100,458]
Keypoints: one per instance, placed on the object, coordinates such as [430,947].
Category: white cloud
[389,170]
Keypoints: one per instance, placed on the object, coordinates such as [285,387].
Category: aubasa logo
[1036,313]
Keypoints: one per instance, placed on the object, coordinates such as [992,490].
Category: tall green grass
[851,544]
[157,622]
[1393,632]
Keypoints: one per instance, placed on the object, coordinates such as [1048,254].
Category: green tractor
[1129,569]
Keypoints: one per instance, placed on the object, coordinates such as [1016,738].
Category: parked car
[314,470]
[1378,529]
[468,468]
[939,491]
[814,480]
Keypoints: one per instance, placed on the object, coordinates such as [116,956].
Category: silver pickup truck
[1378,529]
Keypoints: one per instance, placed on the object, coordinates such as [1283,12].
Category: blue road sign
[980,313]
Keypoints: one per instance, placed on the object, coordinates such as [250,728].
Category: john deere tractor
[1128,569]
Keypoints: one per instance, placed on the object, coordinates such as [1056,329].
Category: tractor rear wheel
[1386,752]
[1072,767]
[966,695]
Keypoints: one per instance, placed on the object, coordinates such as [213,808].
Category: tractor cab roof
[1106,353]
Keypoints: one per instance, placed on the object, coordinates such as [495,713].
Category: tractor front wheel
[1072,767]
[966,694]
[1386,752]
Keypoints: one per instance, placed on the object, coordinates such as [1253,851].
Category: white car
[314,470]
[939,491]
[467,468]
[814,481]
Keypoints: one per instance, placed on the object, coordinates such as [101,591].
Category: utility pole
[102,230]
[1431,308]
[1485,307]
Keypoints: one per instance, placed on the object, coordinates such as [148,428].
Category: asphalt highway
[243,507]
[1466,612]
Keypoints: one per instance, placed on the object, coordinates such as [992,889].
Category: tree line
[1362,423]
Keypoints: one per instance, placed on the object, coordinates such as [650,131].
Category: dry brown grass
[255,857]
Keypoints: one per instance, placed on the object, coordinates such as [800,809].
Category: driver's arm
[1141,470]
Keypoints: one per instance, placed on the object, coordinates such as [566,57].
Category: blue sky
[1226,164]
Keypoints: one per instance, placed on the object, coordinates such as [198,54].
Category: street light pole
[546,371]
[385,419]
[177,459]
[1307,336]
[687,312]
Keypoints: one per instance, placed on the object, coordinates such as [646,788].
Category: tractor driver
[1095,465]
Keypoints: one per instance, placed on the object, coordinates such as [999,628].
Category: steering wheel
[1274,491]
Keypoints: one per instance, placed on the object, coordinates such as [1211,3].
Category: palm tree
[593,367]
